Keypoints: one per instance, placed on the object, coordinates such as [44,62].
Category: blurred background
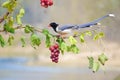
[17,63]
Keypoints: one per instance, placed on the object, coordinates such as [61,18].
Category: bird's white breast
[64,31]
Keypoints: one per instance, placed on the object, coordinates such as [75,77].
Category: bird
[69,28]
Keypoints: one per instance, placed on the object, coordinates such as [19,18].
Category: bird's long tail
[95,22]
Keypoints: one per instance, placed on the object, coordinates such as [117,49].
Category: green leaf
[96,66]
[9,28]
[18,19]
[102,58]
[74,48]
[2,41]
[20,15]
[10,40]
[91,61]
[82,39]
[10,5]
[68,48]
[14,3]
[28,29]
[72,40]
[22,12]
[89,33]
[98,36]
[60,40]
[35,40]
[23,41]
[48,37]
[6,4]
[101,34]
[48,42]
[11,21]
[45,32]
[63,47]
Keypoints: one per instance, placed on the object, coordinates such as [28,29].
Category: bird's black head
[53,25]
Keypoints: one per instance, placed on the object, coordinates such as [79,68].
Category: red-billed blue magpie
[65,29]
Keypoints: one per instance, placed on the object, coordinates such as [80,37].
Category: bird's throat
[55,29]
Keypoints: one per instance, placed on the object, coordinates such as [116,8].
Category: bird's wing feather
[64,27]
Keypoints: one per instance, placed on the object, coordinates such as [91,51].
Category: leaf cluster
[95,65]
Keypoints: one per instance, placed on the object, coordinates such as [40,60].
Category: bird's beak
[49,26]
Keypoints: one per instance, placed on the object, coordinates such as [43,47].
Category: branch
[3,18]
[38,30]
[20,27]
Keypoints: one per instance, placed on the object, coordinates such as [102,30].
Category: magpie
[68,28]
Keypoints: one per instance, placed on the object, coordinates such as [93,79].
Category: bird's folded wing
[65,27]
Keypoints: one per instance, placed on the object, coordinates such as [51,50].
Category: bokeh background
[17,63]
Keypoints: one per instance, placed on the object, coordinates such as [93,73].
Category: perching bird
[68,28]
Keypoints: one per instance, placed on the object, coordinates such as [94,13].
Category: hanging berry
[46,3]
[54,53]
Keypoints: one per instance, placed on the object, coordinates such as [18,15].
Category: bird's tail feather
[101,18]
[95,22]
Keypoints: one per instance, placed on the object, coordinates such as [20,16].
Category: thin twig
[38,30]
[20,27]
[3,18]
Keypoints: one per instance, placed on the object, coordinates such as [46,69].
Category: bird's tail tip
[111,15]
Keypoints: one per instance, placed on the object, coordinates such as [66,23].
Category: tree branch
[20,27]
[3,18]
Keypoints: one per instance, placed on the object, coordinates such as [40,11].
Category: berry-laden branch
[55,43]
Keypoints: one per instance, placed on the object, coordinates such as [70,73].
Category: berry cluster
[46,3]
[54,53]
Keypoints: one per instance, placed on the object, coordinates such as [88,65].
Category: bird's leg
[58,36]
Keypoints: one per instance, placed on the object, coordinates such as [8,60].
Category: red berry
[50,2]
[56,61]
[56,58]
[45,6]
[53,59]
[51,48]
[57,50]
[56,46]
[47,3]
[56,54]
[52,53]
[42,4]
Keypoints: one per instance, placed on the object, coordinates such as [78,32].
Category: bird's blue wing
[64,27]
